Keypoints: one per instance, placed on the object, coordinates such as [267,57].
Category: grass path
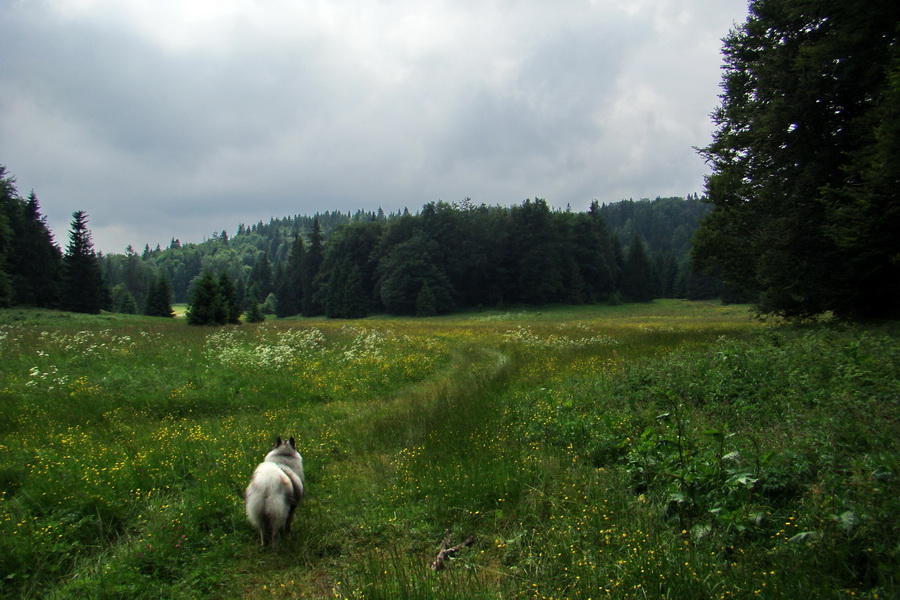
[359,509]
[443,454]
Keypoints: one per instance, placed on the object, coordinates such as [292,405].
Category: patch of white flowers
[232,347]
[90,343]
[525,336]
[48,379]
[367,343]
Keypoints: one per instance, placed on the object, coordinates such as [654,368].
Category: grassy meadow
[667,450]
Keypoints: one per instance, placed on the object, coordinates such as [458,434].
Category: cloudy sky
[178,118]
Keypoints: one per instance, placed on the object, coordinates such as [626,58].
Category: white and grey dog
[275,490]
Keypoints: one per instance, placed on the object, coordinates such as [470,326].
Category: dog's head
[279,443]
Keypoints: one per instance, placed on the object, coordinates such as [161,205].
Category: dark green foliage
[426,303]
[405,270]
[136,274]
[592,252]
[345,297]
[83,289]
[209,305]
[122,301]
[538,252]
[261,279]
[229,299]
[639,281]
[213,301]
[159,302]
[481,256]
[351,265]
[347,280]
[35,263]
[289,284]
[805,160]
[254,314]
[782,445]
[29,260]
[666,227]
[310,301]
[7,199]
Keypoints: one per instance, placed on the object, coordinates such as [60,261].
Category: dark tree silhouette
[83,289]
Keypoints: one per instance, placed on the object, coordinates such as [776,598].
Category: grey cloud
[411,103]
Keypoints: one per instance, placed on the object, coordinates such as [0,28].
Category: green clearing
[667,450]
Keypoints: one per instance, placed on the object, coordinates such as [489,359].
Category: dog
[274,491]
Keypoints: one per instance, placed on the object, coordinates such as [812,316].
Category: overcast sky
[178,118]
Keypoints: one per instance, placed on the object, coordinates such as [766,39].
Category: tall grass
[672,450]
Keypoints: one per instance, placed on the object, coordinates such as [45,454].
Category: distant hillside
[665,225]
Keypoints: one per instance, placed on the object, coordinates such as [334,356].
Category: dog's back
[274,491]
[285,454]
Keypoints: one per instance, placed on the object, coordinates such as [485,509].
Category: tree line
[35,272]
[446,257]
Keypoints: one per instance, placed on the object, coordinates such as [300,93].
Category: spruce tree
[261,278]
[289,287]
[83,289]
[6,290]
[232,310]
[592,251]
[638,276]
[206,306]
[35,264]
[8,197]
[254,314]
[310,302]
[159,301]
[345,297]
[122,300]
[29,259]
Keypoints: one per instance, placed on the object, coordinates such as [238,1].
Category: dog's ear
[278,441]
[291,442]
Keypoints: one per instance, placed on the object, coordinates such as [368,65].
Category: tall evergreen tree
[289,288]
[35,264]
[426,303]
[232,310]
[254,314]
[347,278]
[537,252]
[261,278]
[311,303]
[345,297]
[207,305]
[122,300]
[136,275]
[592,251]
[638,276]
[159,300]
[805,159]
[83,289]
[8,197]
